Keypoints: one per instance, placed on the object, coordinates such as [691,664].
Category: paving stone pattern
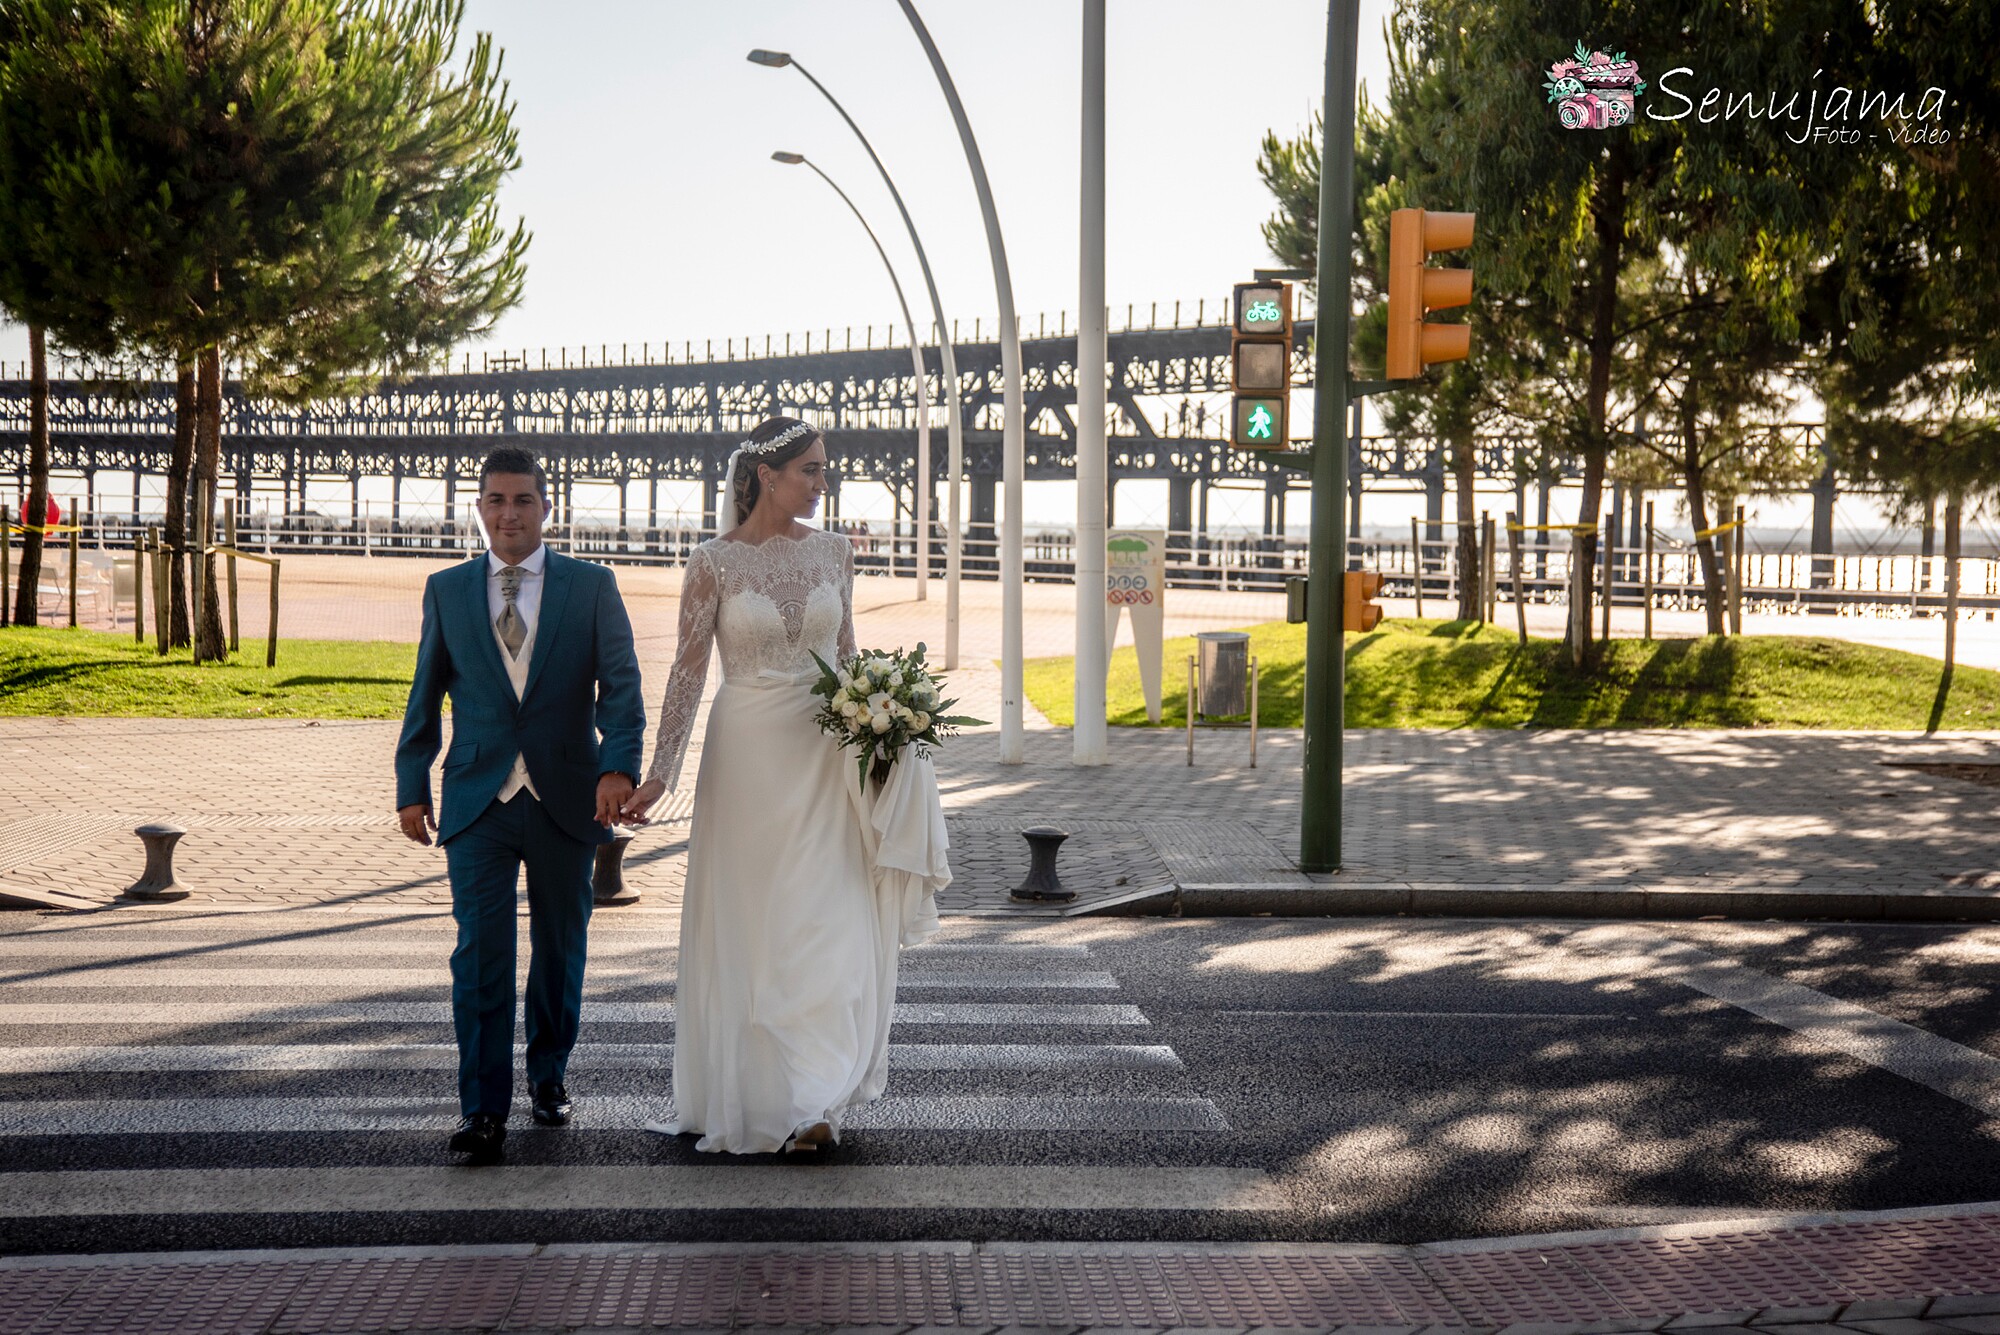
[287,812]
[1800,1281]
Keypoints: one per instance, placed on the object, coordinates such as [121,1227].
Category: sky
[657,213]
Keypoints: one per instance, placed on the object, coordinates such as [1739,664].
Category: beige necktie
[513,630]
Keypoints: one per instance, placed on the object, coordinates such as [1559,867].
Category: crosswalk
[261,1065]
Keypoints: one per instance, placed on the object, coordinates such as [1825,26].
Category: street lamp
[916,356]
[1014,427]
[954,428]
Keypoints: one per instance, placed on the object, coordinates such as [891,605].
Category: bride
[801,884]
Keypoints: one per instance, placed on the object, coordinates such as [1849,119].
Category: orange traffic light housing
[1357,612]
[1415,290]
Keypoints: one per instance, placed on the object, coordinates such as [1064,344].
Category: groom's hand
[614,790]
[417,822]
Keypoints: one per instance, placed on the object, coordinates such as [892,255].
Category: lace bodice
[769,605]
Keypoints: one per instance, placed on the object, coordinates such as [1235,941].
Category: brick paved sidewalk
[1600,823]
[1896,1273]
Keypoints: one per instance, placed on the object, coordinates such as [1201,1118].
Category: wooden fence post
[161,585]
[1489,601]
[1646,573]
[1514,564]
[1579,613]
[271,647]
[140,574]
[229,541]
[1417,564]
[1610,569]
[1737,547]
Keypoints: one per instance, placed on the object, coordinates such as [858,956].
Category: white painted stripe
[101,1117]
[323,977]
[1415,1015]
[1956,1071]
[128,1013]
[587,1057]
[635,1187]
[17,952]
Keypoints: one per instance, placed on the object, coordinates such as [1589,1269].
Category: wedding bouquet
[876,702]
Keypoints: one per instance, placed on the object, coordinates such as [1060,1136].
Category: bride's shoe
[809,1138]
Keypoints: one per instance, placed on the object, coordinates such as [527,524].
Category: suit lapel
[480,628]
[555,603]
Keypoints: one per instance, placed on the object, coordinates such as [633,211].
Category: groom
[535,651]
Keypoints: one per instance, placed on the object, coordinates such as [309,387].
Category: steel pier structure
[652,421]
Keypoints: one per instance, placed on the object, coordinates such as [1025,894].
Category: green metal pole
[1325,688]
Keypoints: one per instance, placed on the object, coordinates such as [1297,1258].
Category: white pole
[1089,739]
[1013,428]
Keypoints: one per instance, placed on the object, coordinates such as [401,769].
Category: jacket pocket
[461,754]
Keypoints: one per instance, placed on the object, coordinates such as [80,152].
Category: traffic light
[1415,290]
[1356,611]
[1260,366]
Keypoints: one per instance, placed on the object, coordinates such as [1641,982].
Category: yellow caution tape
[1719,528]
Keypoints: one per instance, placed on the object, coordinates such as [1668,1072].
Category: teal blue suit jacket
[583,682]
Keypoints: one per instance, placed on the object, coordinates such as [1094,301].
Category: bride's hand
[642,800]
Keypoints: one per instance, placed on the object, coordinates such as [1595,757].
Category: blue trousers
[484,861]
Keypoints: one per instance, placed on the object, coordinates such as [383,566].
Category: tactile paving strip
[1020,1284]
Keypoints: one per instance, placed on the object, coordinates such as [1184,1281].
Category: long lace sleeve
[846,642]
[701,596]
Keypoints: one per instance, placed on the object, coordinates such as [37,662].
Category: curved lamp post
[1013,425]
[916,354]
[954,426]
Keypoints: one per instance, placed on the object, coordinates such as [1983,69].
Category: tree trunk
[1608,221]
[1470,571]
[1694,479]
[208,453]
[36,512]
[180,472]
[1953,511]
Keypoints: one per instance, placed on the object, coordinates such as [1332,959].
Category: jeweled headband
[779,441]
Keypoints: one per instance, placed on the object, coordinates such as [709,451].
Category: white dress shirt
[528,602]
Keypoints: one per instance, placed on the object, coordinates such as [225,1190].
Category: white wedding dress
[801,883]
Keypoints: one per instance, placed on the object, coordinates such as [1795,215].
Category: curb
[1446,899]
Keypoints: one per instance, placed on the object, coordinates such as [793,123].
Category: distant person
[788,951]
[535,651]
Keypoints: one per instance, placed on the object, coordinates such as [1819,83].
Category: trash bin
[1223,660]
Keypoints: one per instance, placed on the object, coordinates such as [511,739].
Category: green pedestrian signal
[1259,423]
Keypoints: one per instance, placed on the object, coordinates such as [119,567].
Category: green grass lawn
[1455,674]
[55,671]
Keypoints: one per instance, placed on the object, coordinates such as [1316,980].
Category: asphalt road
[186,1080]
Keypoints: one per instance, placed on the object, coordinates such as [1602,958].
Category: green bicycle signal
[1262,312]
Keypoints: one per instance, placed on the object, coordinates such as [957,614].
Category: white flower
[848,709]
[880,723]
[880,703]
[855,723]
[895,678]
[921,721]
[844,680]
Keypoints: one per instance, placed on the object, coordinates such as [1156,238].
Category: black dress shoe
[480,1137]
[551,1102]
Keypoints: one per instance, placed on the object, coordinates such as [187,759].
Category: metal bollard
[158,884]
[607,878]
[1042,883]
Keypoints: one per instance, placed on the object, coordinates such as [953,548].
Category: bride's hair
[747,486]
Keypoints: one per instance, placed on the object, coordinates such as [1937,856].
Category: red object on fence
[55,514]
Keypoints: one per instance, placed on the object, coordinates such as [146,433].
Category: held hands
[641,801]
[417,822]
[613,792]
